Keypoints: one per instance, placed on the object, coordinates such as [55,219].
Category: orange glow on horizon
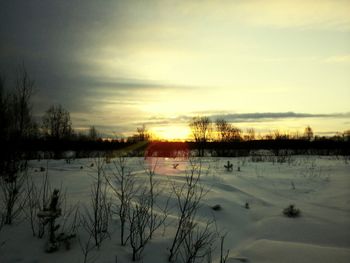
[171,133]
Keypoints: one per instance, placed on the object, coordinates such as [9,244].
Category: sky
[119,64]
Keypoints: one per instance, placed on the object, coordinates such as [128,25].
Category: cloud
[108,63]
[268,116]
[163,121]
[263,118]
[239,117]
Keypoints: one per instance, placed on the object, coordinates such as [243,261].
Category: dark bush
[216,207]
[291,211]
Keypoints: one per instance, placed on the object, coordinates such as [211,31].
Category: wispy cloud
[121,61]
[266,116]
[242,117]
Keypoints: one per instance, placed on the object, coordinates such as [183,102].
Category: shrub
[291,211]
[216,207]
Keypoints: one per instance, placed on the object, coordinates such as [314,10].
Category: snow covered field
[318,186]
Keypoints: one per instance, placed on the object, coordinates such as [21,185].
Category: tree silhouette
[201,130]
[346,135]
[16,121]
[308,133]
[4,110]
[57,123]
[24,88]
[143,134]
[227,132]
[93,133]
[250,134]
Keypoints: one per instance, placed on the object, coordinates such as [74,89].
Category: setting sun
[171,133]
[175,131]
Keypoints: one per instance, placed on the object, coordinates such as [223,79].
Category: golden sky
[120,64]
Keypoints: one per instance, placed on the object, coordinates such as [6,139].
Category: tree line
[17,124]
[16,117]
[222,136]
[19,130]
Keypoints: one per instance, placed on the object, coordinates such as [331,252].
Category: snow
[318,186]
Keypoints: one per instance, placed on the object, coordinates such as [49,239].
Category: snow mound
[271,251]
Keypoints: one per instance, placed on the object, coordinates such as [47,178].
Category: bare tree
[96,219]
[15,124]
[278,135]
[5,111]
[223,129]
[2,221]
[188,198]
[268,136]
[250,135]
[223,255]
[38,199]
[143,219]
[197,243]
[122,183]
[143,222]
[227,132]
[93,133]
[56,123]
[87,247]
[143,134]
[156,219]
[33,205]
[139,219]
[151,172]
[24,88]
[16,121]
[201,131]
[308,133]
[12,180]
